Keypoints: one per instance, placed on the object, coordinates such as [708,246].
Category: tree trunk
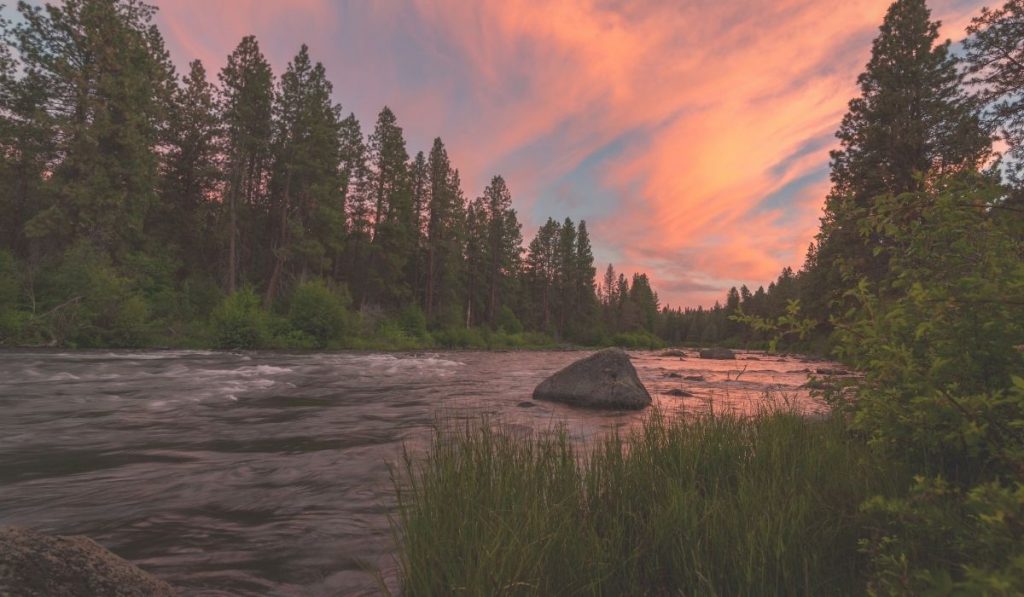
[232,242]
[428,301]
[281,252]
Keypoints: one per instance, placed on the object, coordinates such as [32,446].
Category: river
[268,473]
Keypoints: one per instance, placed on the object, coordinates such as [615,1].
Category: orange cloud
[714,107]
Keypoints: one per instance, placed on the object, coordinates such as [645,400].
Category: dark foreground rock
[721,354]
[605,379]
[33,564]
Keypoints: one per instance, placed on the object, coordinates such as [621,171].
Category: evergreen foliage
[912,124]
[180,191]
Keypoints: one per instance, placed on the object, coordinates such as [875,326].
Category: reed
[718,505]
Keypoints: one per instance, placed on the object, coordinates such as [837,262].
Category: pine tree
[445,230]
[477,260]
[185,218]
[995,58]
[586,300]
[645,300]
[541,271]
[28,144]
[609,293]
[732,307]
[393,224]
[419,180]
[503,242]
[355,186]
[911,124]
[247,96]
[105,111]
[306,212]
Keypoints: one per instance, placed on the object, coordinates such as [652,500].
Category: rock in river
[32,564]
[679,393]
[717,353]
[605,379]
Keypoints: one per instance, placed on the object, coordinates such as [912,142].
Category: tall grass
[713,506]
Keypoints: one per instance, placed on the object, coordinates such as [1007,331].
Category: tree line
[139,203]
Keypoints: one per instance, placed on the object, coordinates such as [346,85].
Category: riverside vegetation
[141,208]
[914,485]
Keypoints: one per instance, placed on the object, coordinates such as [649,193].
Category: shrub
[94,305]
[319,313]
[460,337]
[413,322]
[640,339]
[942,391]
[11,320]
[239,322]
[507,321]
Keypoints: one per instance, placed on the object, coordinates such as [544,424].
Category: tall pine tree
[185,219]
[103,74]
[306,212]
[504,238]
[393,212]
[445,238]
[911,124]
[247,98]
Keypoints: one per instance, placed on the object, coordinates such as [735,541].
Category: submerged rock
[673,353]
[33,564]
[830,371]
[694,378]
[717,353]
[679,393]
[605,379]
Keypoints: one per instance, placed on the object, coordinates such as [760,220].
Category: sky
[691,135]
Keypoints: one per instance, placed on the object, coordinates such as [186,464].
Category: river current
[268,473]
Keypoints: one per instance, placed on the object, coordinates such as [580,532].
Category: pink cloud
[718,99]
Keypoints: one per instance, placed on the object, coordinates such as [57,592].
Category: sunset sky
[692,136]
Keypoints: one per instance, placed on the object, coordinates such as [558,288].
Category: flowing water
[267,473]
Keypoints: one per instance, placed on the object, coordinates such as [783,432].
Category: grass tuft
[718,505]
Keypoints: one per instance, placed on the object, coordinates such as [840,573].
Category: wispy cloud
[693,136]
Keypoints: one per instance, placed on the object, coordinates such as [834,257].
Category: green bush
[93,304]
[507,321]
[460,337]
[12,321]
[942,391]
[640,339]
[294,340]
[239,322]
[319,312]
[9,285]
[13,326]
[413,322]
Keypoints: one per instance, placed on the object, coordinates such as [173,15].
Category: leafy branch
[779,328]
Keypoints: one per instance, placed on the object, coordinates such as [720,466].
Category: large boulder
[33,564]
[717,353]
[605,379]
